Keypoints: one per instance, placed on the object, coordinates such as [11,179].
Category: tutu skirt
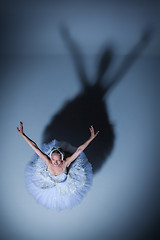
[65,190]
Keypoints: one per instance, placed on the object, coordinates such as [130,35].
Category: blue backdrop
[46,48]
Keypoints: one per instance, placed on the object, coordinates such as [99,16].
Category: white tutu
[65,190]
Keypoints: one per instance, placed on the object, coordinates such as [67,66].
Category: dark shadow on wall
[72,122]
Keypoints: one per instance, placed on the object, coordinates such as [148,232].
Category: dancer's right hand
[20,131]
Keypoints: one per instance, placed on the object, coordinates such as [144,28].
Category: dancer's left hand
[93,134]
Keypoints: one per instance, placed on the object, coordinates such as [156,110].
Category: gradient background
[38,76]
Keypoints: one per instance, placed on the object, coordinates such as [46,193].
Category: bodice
[57,179]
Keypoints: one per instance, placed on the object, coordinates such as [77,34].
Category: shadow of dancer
[89,107]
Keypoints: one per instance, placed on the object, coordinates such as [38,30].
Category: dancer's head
[56,156]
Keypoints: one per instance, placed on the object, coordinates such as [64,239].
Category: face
[56,159]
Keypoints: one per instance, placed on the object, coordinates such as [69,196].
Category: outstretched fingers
[96,133]
[93,134]
[21,128]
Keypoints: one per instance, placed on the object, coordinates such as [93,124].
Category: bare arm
[33,145]
[81,147]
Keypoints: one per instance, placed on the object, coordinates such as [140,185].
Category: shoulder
[48,164]
[66,163]
[70,159]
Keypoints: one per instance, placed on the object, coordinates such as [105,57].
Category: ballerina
[54,179]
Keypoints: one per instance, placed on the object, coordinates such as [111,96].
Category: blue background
[38,76]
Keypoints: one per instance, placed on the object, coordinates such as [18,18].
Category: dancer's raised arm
[81,147]
[33,145]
